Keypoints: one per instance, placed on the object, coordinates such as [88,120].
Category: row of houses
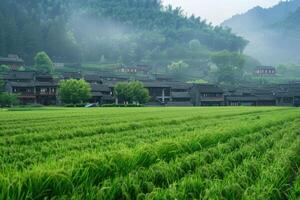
[34,88]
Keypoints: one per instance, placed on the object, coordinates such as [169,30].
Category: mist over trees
[124,31]
[273,32]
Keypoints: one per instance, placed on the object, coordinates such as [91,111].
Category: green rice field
[150,153]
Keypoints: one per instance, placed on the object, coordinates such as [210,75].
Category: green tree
[8,100]
[43,63]
[1,85]
[195,45]
[140,94]
[230,67]
[123,92]
[74,91]
[4,68]
[178,67]
[132,92]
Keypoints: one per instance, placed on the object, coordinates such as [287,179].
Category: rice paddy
[150,153]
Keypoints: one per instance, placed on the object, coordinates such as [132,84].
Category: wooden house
[250,96]
[265,70]
[13,61]
[143,69]
[180,94]
[101,94]
[32,88]
[288,94]
[207,95]
[159,91]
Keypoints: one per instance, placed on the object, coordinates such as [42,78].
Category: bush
[8,100]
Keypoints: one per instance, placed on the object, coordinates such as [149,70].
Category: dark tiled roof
[250,98]
[180,95]
[156,84]
[208,88]
[180,86]
[32,84]
[21,84]
[100,88]
[44,84]
[72,75]
[92,77]
[11,60]
[15,75]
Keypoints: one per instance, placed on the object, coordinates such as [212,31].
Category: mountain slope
[273,33]
[124,31]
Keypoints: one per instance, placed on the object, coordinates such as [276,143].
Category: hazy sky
[216,11]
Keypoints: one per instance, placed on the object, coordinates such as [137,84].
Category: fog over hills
[273,32]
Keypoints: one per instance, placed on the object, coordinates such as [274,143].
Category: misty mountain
[273,32]
[118,31]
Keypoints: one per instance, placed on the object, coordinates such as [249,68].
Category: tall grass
[150,153]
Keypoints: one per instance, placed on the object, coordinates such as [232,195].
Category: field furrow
[150,153]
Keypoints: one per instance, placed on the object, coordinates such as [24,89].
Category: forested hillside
[273,33]
[123,31]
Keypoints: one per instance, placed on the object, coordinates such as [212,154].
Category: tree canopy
[8,100]
[230,66]
[74,91]
[128,31]
[132,92]
[178,67]
[43,63]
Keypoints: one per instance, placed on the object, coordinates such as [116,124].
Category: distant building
[58,65]
[207,95]
[159,91]
[250,96]
[72,75]
[265,70]
[144,69]
[13,61]
[32,88]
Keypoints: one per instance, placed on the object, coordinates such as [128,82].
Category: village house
[207,95]
[288,94]
[13,61]
[265,70]
[36,88]
[250,96]
[32,88]
[159,91]
[143,69]
[180,94]
[101,93]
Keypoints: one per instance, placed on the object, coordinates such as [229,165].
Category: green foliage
[230,67]
[4,68]
[127,31]
[8,100]
[74,91]
[178,67]
[43,63]
[2,84]
[132,92]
